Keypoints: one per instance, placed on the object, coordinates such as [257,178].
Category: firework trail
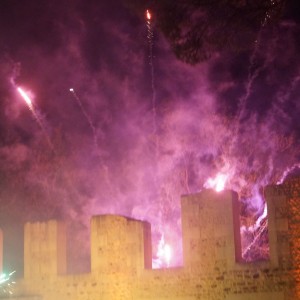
[255,68]
[29,103]
[150,36]
[164,254]
[164,250]
[253,73]
[89,120]
[287,172]
[257,236]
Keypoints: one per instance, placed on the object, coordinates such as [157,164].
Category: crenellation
[44,249]
[207,227]
[118,243]
[213,270]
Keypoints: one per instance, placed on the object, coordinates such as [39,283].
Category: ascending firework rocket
[148,15]
[27,100]
[29,103]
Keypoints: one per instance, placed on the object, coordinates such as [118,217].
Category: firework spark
[218,183]
[150,36]
[6,284]
[164,254]
[287,172]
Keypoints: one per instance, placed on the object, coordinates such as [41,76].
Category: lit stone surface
[121,252]
[1,251]
[44,249]
[255,296]
[208,230]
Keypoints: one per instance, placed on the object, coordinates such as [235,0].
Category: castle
[212,270]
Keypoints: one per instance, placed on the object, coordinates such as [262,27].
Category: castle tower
[208,220]
[119,245]
[120,250]
[44,249]
[284,228]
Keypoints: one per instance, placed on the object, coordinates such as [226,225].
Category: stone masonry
[212,270]
[1,250]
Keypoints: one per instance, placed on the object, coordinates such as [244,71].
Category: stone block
[119,244]
[44,249]
[210,225]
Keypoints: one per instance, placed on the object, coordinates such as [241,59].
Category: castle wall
[120,256]
[118,243]
[284,229]
[1,251]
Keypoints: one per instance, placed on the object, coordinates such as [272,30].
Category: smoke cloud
[235,115]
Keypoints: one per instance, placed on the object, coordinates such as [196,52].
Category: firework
[287,172]
[218,183]
[148,15]
[88,118]
[6,284]
[164,254]
[27,99]
[31,107]
[150,42]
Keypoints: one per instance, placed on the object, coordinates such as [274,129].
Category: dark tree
[196,29]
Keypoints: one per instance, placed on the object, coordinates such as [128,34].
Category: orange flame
[148,14]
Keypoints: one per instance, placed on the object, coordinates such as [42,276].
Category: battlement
[210,228]
[213,269]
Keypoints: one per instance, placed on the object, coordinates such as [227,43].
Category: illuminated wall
[121,255]
[284,230]
[1,251]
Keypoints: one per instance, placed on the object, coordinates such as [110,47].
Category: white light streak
[148,14]
[36,116]
[218,183]
[26,98]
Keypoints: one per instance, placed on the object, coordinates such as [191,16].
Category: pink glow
[218,183]
[164,255]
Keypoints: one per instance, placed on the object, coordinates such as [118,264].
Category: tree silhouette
[196,29]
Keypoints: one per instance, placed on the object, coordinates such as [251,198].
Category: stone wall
[213,270]
[1,251]
[209,220]
[44,249]
[284,229]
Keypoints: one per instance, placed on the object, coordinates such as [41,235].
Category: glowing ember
[218,183]
[148,15]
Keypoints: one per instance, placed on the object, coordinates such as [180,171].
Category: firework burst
[7,284]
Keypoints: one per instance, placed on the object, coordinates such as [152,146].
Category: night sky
[103,150]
